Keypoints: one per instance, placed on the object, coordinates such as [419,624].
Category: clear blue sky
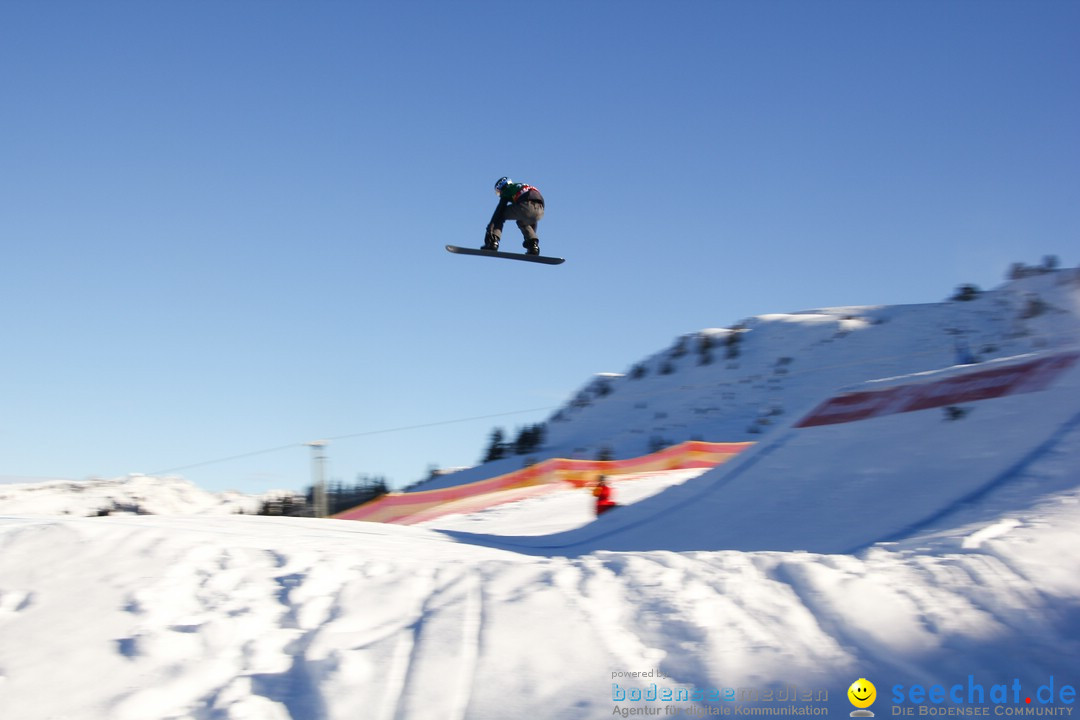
[223,222]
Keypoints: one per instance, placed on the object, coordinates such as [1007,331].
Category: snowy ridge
[783,363]
[136,494]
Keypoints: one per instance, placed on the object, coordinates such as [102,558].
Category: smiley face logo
[862,693]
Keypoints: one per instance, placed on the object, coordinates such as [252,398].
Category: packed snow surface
[252,617]
[915,550]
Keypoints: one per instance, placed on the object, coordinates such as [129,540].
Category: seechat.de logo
[862,695]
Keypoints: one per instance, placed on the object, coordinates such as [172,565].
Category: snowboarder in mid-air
[522,203]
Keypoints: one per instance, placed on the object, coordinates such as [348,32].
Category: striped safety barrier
[545,476]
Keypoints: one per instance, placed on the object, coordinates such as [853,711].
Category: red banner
[971,386]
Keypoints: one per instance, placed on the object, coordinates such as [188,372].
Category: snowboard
[508,255]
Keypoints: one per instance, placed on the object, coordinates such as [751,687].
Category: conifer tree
[497,447]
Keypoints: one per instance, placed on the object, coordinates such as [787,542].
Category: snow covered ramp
[872,464]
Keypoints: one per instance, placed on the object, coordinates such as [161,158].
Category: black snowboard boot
[491,242]
[532,247]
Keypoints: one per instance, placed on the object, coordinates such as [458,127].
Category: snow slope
[913,549]
[841,487]
[245,617]
[785,363]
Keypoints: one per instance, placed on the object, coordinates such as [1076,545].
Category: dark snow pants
[526,212]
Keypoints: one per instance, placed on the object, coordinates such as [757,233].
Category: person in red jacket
[602,493]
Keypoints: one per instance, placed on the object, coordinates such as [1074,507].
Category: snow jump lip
[876,475]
